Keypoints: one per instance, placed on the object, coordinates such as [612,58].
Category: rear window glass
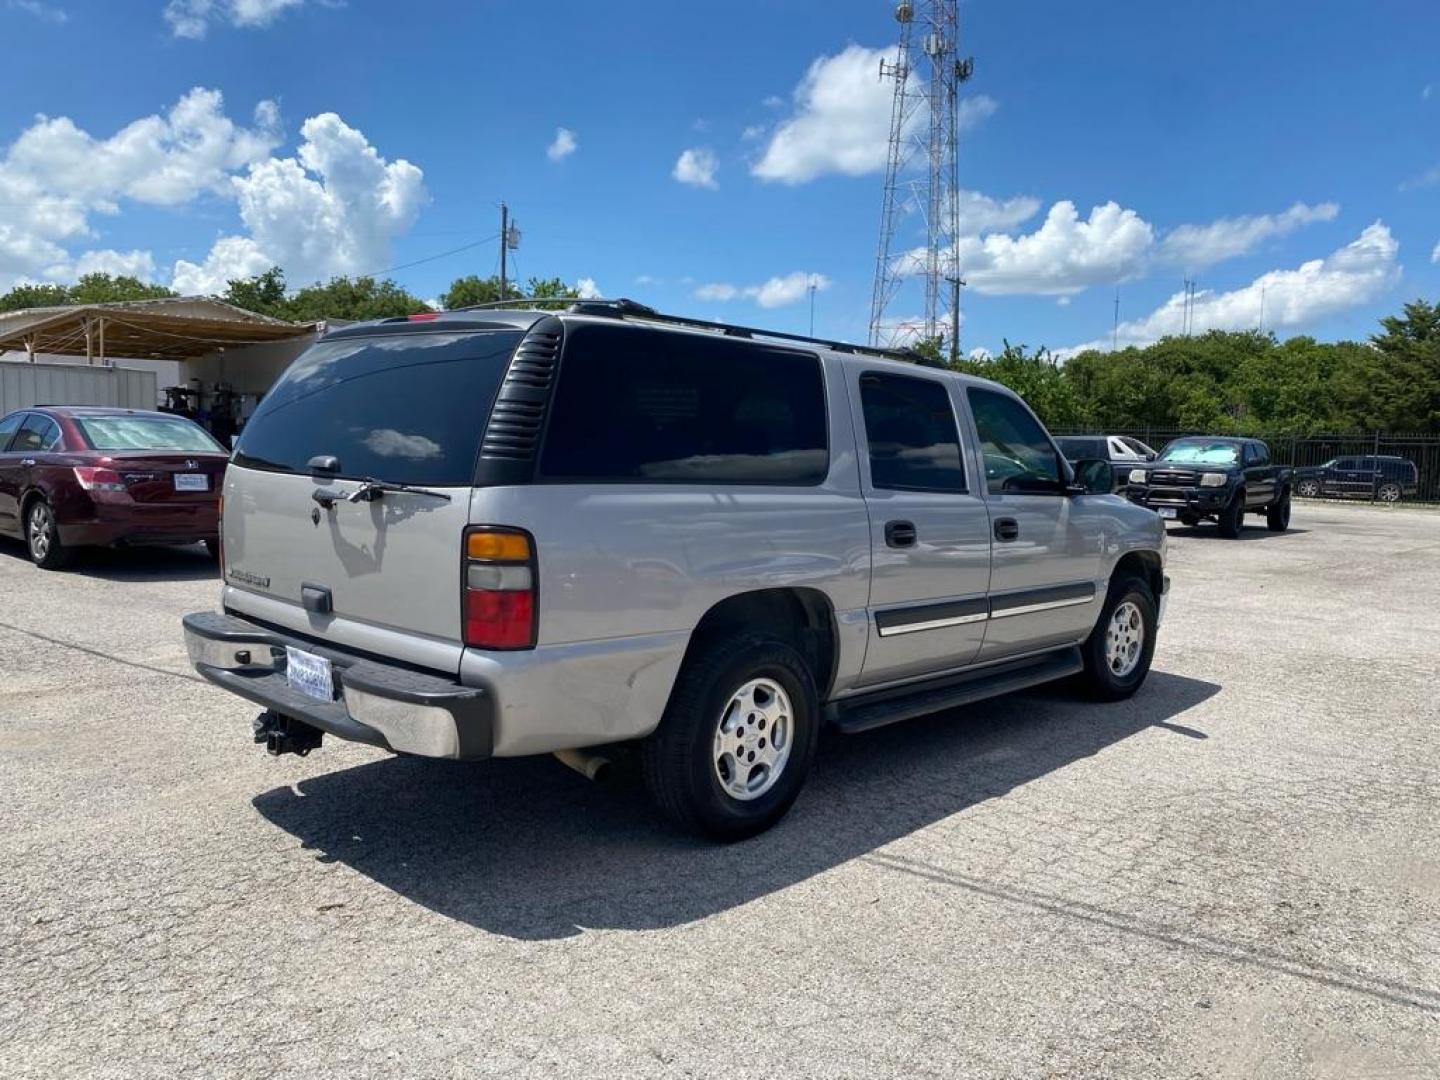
[409,408]
[910,426]
[146,433]
[1081,449]
[653,407]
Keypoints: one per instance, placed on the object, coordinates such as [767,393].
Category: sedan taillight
[106,485]
[498,589]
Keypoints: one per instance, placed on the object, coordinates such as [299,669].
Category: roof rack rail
[621,308]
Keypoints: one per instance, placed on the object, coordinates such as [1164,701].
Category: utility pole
[812,306]
[956,284]
[509,241]
[504,244]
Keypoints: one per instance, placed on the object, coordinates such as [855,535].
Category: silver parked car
[506,532]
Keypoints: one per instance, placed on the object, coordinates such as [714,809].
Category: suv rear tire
[1232,518]
[42,537]
[1388,492]
[1277,514]
[714,765]
[1118,651]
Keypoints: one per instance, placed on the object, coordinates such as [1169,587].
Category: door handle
[1007,529]
[900,534]
[27,462]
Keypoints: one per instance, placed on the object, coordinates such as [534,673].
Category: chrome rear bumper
[397,708]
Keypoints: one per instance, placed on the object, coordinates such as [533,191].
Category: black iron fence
[1367,449]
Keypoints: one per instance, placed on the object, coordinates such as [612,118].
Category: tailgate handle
[317,599]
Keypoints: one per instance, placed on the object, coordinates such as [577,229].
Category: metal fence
[1313,451]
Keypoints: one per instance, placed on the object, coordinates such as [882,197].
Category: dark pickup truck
[1218,478]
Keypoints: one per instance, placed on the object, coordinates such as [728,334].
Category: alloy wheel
[752,739]
[1124,639]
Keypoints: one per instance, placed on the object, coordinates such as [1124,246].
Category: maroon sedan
[77,476]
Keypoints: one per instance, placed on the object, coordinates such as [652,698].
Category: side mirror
[1093,477]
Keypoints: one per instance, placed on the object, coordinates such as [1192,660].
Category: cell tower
[923,123]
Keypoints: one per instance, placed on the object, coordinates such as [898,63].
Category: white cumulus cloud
[841,120]
[334,208]
[697,167]
[775,292]
[978,213]
[1355,274]
[1198,246]
[192,18]
[563,145]
[1066,254]
[55,178]
[1435,255]
[586,289]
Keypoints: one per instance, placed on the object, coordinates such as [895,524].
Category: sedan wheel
[43,536]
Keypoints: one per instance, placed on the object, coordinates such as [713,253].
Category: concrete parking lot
[1235,874]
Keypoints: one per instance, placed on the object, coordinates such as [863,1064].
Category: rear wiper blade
[370,490]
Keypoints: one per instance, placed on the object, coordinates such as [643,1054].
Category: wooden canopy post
[89,350]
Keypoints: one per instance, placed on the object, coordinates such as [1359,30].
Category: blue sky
[1288,149]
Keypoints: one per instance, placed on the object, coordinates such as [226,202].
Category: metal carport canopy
[180,328]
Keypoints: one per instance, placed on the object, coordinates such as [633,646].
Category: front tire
[42,537]
[1308,489]
[1277,514]
[737,739]
[1118,651]
[1232,518]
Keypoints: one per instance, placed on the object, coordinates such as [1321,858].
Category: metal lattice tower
[923,124]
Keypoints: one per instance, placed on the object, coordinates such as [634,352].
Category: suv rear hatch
[383,575]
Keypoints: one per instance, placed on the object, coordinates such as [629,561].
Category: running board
[862,713]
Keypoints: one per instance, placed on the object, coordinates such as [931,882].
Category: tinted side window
[37,433]
[648,406]
[8,427]
[1018,456]
[1262,454]
[910,429]
[1079,449]
[1252,455]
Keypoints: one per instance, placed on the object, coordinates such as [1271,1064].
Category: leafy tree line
[269,294]
[1241,382]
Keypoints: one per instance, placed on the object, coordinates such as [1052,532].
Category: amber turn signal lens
[509,546]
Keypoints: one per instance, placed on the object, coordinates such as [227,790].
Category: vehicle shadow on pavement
[189,563]
[1250,532]
[529,849]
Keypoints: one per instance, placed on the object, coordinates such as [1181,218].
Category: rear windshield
[147,433]
[1201,453]
[409,408]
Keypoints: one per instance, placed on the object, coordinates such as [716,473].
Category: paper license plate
[192,482]
[1167,513]
[309,674]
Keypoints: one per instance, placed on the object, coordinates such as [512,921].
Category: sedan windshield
[147,433]
[1200,452]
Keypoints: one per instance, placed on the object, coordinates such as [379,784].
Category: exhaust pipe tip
[594,767]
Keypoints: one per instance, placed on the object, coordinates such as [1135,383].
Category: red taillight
[104,485]
[498,585]
[424,316]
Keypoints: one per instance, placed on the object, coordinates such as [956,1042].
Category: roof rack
[623,308]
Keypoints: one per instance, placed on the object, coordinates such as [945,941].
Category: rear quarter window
[641,406]
[409,408]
